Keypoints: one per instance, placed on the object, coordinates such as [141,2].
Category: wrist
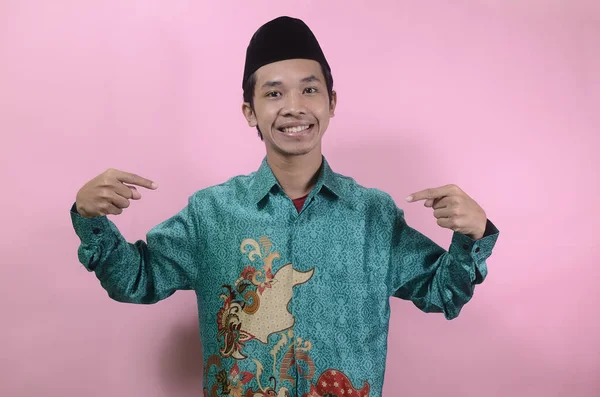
[479,233]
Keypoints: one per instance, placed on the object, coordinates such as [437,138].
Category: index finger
[133,179]
[429,194]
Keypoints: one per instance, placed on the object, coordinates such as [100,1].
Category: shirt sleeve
[143,272]
[434,279]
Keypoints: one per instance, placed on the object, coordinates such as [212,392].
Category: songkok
[280,39]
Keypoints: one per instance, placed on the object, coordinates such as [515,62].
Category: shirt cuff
[88,230]
[465,249]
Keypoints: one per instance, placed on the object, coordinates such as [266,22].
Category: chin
[294,150]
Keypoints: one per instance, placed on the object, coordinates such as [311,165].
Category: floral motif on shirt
[234,382]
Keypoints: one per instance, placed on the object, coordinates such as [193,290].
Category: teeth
[296,129]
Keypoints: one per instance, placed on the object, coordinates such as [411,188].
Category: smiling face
[291,107]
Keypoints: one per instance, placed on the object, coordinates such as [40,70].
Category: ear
[332,104]
[249,114]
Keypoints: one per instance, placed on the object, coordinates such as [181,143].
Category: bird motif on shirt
[256,306]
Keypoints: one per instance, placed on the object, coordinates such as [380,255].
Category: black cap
[280,39]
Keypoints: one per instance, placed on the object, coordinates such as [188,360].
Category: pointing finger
[429,194]
[133,179]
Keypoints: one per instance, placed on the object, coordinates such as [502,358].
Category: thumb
[135,194]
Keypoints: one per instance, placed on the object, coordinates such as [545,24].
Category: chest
[335,245]
[265,272]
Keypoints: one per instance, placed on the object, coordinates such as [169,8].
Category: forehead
[289,70]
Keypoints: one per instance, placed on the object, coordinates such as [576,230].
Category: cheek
[324,124]
[323,113]
[266,115]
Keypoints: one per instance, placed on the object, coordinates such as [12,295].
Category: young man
[293,265]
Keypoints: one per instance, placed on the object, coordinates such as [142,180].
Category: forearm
[452,284]
[445,285]
[125,271]
[140,272]
[436,280]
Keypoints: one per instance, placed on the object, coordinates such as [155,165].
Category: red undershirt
[299,202]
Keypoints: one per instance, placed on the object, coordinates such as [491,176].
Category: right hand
[108,193]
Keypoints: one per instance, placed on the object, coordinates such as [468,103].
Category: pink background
[499,97]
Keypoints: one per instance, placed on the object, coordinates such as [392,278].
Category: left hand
[454,210]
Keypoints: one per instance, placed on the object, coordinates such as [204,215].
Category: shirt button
[477,249]
[96,230]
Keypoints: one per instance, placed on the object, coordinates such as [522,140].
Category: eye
[310,90]
[273,94]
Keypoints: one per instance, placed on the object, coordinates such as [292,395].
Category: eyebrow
[272,83]
[310,79]
[277,83]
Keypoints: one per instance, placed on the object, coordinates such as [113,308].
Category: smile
[296,129]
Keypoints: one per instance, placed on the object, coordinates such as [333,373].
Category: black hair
[250,85]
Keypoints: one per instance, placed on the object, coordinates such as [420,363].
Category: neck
[297,175]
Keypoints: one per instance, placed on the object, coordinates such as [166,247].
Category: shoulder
[226,193]
[370,199]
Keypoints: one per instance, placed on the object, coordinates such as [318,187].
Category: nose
[294,104]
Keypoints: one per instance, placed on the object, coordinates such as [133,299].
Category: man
[293,265]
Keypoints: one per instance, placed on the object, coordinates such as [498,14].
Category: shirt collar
[264,180]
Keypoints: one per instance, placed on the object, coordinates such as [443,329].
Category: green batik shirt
[289,303]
